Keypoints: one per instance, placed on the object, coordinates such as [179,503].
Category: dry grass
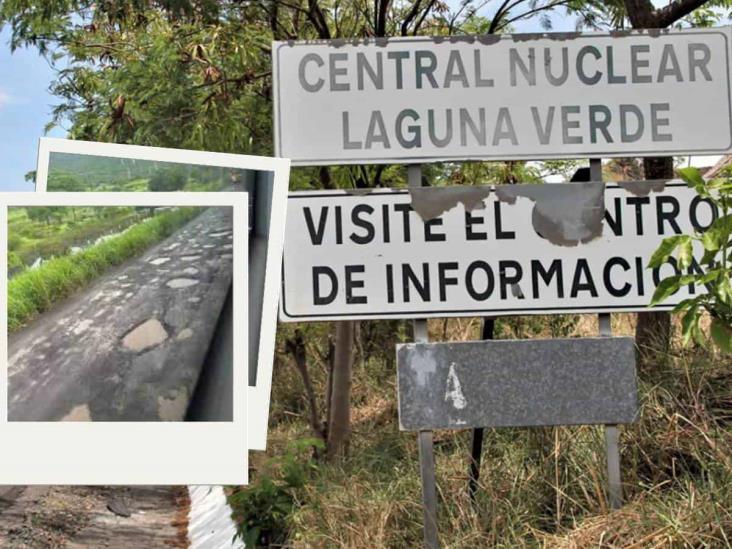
[539,487]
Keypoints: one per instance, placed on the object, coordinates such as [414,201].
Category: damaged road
[130,346]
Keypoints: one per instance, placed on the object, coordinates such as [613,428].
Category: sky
[25,108]
[26,104]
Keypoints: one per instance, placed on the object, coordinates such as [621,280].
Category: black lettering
[317,298]
[316,236]
[422,287]
[667,216]
[607,279]
[615,223]
[404,209]
[470,234]
[338,225]
[509,280]
[555,270]
[500,233]
[358,221]
[638,202]
[389,284]
[444,280]
[582,271]
[429,236]
[490,280]
[351,284]
[694,214]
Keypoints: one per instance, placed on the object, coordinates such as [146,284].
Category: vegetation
[196,74]
[538,487]
[42,232]
[80,172]
[36,290]
[716,241]
[172,179]
[262,510]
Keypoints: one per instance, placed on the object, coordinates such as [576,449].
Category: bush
[263,509]
[171,179]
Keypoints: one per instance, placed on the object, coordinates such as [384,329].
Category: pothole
[181,282]
[160,261]
[190,257]
[148,334]
[190,271]
[78,413]
[185,333]
[172,407]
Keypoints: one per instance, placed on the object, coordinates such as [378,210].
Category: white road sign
[409,100]
[469,251]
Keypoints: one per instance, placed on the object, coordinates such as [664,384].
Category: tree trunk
[339,424]
[653,329]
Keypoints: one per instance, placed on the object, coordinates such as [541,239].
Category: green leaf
[724,291]
[665,289]
[711,240]
[694,179]
[665,249]
[688,322]
[722,335]
[686,253]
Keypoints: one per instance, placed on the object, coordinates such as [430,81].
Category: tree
[169,179]
[653,329]
[65,182]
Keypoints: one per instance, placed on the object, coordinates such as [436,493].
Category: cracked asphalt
[130,346]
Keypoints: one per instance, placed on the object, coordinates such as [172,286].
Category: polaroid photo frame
[267,185]
[78,451]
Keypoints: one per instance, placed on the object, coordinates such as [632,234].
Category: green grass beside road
[34,291]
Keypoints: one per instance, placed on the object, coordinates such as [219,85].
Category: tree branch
[641,13]
[410,17]
[668,15]
[497,16]
[315,14]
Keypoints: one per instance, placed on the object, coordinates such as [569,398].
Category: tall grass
[35,290]
[541,487]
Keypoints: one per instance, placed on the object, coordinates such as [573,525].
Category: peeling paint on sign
[563,214]
[432,202]
[644,188]
[454,392]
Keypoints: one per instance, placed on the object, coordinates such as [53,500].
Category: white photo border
[260,395]
[130,453]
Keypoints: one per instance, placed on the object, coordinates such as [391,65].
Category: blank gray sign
[516,383]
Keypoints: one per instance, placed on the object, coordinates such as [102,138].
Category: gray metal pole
[476,448]
[615,487]
[426,448]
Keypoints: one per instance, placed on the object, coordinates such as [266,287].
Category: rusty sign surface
[532,96]
[516,383]
[467,251]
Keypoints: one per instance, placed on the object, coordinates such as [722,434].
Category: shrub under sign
[467,251]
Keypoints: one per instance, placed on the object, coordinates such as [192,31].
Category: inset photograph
[260,183]
[120,313]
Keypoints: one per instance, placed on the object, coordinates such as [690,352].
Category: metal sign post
[476,448]
[615,488]
[426,448]
[511,383]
